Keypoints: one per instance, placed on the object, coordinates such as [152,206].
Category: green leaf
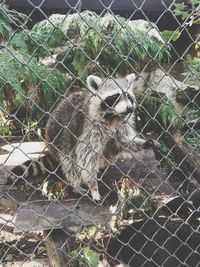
[181,10]
[92,257]
[20,41]
[180,7]
[171,35]
[193,137]
[196,21]
[195,2]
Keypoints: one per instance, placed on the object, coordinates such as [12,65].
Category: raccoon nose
[130,109]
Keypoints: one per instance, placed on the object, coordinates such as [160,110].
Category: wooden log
[70,214]
[144,169]
[186,158]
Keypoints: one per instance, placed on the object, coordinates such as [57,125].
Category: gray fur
[83,139]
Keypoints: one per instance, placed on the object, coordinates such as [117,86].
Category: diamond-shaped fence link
[99,125]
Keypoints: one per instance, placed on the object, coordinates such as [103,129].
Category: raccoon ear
[94,82]
[130,78]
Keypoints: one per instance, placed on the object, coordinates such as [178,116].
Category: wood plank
[26,147]
[45,215]
[17,158]
[21,152]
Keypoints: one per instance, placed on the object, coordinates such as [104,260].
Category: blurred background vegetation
[39,64]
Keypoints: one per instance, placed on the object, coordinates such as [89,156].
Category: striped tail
[31,168]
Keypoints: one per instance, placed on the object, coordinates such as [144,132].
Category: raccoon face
[111,97]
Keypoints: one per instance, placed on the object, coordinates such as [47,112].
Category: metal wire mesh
[99,123]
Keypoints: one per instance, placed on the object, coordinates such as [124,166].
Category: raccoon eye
[109,101]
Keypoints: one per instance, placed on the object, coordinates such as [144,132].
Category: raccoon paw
[150,143]
[96,197]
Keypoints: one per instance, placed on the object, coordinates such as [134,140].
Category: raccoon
[88,130]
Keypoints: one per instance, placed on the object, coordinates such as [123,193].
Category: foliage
[110,41]
[169,36]
[46,35]
[192,114]
[5,28]
[193,137]
[23,80]
[86,256]
[89,41]
[158,112]
[21,41]
[10,20]
[5,126]
[52,188]
[134,204]
[166,157]
[194,65]
[190,15]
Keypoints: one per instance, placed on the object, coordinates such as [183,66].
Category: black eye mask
[109,101]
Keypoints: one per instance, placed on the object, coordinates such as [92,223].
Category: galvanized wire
[158,239]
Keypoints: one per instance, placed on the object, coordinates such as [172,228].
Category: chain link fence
[99,124]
